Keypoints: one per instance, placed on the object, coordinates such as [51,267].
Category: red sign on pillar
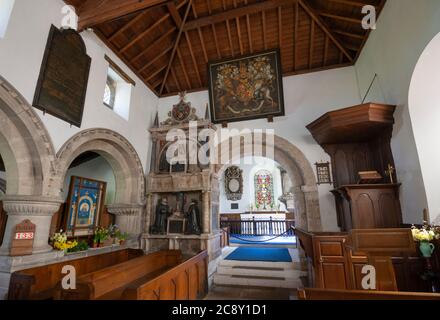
[23,239]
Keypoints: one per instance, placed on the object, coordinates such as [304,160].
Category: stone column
[311,197]
[300,208]
[128,217]
[290,202]
[206,212]
[148,212]
[39,210]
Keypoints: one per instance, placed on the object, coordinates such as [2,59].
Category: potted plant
[101,235]
[121,237]
[81,246]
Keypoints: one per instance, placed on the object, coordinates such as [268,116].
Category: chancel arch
[291,159]
[127,168]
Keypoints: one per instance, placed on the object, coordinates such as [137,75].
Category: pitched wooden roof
[169,43]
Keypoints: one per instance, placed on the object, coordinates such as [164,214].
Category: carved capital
[125,209]
[31,205]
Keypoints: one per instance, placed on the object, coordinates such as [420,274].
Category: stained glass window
[264,195]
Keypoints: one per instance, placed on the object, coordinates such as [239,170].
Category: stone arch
[25,145]
[119,153]
[423,104]
[127,167]
[305,191]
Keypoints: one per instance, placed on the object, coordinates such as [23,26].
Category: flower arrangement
[60,242]
[425,235]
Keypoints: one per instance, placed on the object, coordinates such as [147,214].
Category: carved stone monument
[183,179]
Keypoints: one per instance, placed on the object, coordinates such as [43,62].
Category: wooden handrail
[330,294]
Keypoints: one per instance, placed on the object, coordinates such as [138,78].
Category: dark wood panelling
[359,139]
[332,270]
[368,206]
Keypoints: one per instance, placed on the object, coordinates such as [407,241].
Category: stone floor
[251,293]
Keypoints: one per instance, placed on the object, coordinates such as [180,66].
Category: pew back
[109,283]
[331,294]
[40,282]
[187,281]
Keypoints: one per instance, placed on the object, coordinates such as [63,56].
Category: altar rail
[256,227]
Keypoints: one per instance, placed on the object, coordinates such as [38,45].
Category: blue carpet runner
[257,240]
[260,254]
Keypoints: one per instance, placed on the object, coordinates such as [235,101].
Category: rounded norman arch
[118,152]
[424,110]
[25,146]
[304,189]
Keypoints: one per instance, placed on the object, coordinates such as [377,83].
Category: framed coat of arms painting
[246,88]
[84,206]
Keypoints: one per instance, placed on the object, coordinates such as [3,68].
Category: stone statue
[162,213]
[194,219]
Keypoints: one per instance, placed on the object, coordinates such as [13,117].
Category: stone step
[254,281]
[264,272]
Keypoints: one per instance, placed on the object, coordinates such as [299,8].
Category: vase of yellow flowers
[425,235]
[59,242]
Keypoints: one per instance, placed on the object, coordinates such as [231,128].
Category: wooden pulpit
[380,245]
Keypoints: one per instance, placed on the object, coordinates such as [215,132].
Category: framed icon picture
[84,206]
[246,88]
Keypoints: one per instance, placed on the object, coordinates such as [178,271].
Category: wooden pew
[40,283]
[225,237]
[110,283]
[333,265]
[332,294]
[187,281]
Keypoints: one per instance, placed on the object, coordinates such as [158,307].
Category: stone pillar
[206,209]
[311,197]
[290,202]
[128,217]
[148,212]
[39,210]
[299,208]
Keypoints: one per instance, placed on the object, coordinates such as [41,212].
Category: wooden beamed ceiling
[168,43]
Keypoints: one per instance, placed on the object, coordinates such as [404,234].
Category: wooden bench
[330,294]
[39,283]
[187,281]
[110,283]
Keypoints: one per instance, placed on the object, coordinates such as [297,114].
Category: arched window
[110,93]
[264,194]
[5,13]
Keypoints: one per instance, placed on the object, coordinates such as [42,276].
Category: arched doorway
[88,175]
[292,160]
[129,196]
[28,158]
[424,102]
